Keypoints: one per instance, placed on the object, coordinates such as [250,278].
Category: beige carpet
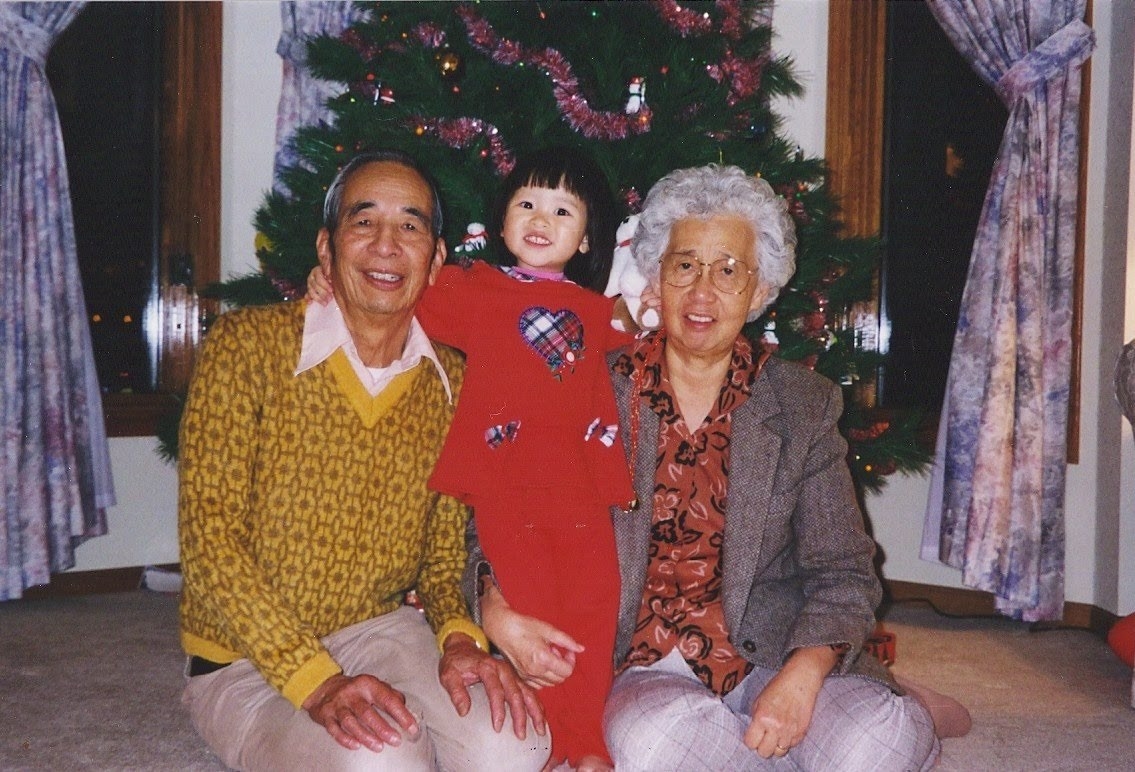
[92,683]
[1040,701]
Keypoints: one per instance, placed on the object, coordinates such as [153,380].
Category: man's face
[383,254]
[700,319]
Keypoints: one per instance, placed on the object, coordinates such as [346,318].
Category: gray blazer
[796,561]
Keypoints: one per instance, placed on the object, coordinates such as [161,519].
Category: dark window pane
[105,73]
[943,130]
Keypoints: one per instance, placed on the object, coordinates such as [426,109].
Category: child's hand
[319,286]
[650,312]
[542,654]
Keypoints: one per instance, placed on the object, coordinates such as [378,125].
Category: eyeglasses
[728,274]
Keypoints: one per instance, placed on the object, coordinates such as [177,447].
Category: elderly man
[747,580]
[307,440]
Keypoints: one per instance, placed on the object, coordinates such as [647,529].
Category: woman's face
[701,320]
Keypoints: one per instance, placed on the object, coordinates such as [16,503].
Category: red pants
[554,558]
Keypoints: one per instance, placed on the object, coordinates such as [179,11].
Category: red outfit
[534,450]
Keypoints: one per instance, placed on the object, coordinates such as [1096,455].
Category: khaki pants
[250,726]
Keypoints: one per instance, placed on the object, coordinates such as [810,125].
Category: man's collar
[325,331]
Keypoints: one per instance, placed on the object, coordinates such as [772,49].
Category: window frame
[189,208]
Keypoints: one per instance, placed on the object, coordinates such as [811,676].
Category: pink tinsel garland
[573,105]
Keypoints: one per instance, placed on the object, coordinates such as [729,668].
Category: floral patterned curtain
[303,97]
[996,507]
[54,462]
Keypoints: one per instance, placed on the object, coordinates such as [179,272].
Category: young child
[533,446]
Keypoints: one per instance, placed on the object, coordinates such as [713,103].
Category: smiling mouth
[539,241]
[383,276]
[699,318]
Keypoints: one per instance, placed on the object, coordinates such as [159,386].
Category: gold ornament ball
[449,64]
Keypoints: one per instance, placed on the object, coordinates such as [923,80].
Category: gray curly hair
[713,190]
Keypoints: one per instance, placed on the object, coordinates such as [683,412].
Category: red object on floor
[1121,639]
[881,645]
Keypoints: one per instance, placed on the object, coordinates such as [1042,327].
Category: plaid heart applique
[556,336]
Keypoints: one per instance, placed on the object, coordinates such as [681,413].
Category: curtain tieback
[20,35]
[293,48]
[1068,47]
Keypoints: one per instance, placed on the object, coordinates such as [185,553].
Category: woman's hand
[782,712]
[542,654]
[319,286]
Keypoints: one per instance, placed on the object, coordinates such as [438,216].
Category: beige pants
[250,726]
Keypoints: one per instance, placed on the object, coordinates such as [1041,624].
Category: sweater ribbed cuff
[308,678]
[462,626]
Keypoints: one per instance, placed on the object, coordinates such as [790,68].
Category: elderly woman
[747,580]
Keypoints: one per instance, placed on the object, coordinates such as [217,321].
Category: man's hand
[347,707]
[782,712]
[543,655]
[463,664]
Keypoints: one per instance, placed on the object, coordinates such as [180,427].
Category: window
[857,157]
[138,88]
[942,130]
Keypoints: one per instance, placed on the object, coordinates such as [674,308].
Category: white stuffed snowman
[474,240]
[626,279]
[636,95]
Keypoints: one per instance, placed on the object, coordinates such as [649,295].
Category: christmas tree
[644,87]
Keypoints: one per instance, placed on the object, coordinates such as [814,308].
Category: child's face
[544,227]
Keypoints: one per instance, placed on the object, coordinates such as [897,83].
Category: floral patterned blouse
[681,603]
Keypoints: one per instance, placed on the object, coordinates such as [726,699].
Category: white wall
[252,74]
[1101,488]
[1122,275]
[801,34]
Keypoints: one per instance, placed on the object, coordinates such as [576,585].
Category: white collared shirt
[325,330]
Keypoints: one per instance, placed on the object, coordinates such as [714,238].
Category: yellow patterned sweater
[303,506]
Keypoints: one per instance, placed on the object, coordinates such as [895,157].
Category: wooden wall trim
[975,603]
[1076,374]
[853,145]
[854,121]
[190,246]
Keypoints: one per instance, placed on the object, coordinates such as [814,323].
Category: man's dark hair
[334,198]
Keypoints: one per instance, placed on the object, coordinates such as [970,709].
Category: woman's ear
[759,296]
[584,246]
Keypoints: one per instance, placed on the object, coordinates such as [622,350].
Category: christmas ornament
[474,240]
[430,35]
[449,64]
[636,95]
